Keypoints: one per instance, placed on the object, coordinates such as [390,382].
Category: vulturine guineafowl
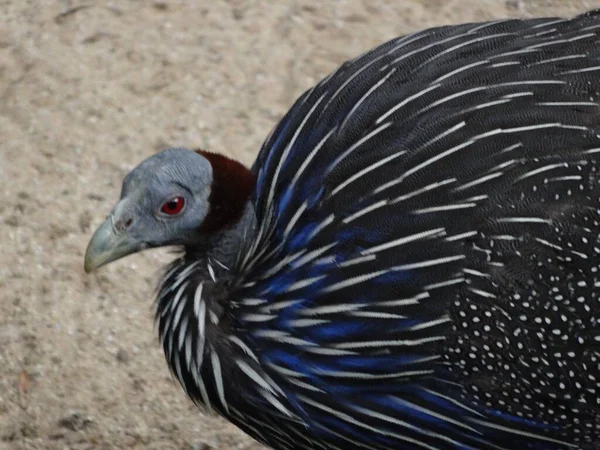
[411,263]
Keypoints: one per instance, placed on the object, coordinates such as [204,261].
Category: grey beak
[107,245]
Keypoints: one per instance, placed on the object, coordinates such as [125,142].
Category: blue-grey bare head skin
[137,222]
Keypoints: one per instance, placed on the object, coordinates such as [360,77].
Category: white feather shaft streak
[458,237]
[431,323]
[549,23]
[364,211]
[201,333]
[460,69]
[441,208]
[376,315]
[287,372]
[293,220]
[482,293]
[182,332]
[513,53]
[311,256]
[357,144]
[357,260]
[276,403]
[454,402]
[327,351]
[520,432]
[542,170]
[258,317]
[406,101]
[422,190]
[218,375]
[404,240]
[185,272]
[565,178]
[283,338]
[429,263]
[236,340]
[353,281]
[302,323]
[321,226]
[366,170]
[476,273]
[255,376]
[403,301]
[567,104]
[589,28]
[587,69]
[389,343]
[370,376]
[367,94]
[253,301]
[432,413]
[549,244]
[301,284]
[180,306]
[288,260]
[278,306]
[486,105]
[332,309]
[308,387]
[478,181]
[505,64]
[523,220]
[178,296]
[558,59]
[518,94]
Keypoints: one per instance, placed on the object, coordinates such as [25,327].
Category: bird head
[175,197]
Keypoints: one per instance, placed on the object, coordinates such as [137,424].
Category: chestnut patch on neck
[231,188]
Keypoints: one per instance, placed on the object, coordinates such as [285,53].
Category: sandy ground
[88,89]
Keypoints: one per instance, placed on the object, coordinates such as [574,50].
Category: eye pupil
[173,206]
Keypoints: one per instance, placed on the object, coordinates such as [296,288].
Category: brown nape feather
[231,187]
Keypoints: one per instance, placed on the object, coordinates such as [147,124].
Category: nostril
[123,224]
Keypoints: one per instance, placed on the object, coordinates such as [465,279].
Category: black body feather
[424,272]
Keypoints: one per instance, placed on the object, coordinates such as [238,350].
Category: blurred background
[88,88]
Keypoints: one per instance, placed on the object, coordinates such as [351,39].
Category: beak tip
[88,262]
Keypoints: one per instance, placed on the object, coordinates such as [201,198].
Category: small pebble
[75,421]
[123,356]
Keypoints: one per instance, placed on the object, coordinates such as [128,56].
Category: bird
[411,262]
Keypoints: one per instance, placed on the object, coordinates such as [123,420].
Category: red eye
[173,206]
